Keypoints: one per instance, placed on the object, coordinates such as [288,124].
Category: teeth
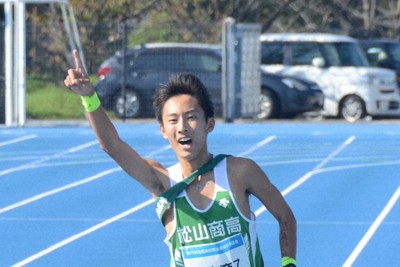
[185,141]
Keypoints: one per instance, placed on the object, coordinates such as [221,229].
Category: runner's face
[185,126]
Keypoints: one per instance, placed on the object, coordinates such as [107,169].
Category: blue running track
[64,202]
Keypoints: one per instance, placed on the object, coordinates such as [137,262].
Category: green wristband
[91,103]
[288,260]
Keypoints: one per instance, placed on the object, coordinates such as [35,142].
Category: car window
[394,51]
[344,54]
[272,53]
[201,62]
[304,53]
[129,60]
[375,54]
[158,61]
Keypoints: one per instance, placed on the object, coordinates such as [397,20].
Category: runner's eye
[191,117]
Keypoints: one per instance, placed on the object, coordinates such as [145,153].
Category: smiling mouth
[185,141]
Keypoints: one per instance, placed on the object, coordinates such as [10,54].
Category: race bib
[230,252]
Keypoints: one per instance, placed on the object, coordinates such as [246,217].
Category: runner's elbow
[109,146]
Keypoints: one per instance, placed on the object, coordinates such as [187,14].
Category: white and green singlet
[218,236]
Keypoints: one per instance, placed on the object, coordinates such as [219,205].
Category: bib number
[230,252]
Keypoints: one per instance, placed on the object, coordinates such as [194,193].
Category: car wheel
[128,107]
[352,108]
[268,105]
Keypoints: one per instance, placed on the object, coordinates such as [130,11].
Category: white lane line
[57,190]
[34,163]
[82,234]
[257,146]
[74,219]
[71,185]
[155,152]
[130,220]
[17,140]
[342,159]
[334,153]
[356,166]
[93,228]
[308,175]
[372,229]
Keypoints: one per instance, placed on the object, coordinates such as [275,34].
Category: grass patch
[48,100]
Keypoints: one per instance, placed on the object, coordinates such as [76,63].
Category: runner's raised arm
[147,172]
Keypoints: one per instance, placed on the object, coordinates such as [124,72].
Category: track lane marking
[372,229]
[93,228]
[72,185]
[17,140]
[82,234]
[58,190]
[258,145]
[309,174]
[37,162]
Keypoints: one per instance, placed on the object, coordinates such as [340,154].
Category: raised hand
[77,79]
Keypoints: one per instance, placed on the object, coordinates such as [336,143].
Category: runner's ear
[162,130]
[210,124]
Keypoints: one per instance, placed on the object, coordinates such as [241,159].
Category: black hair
[183,84]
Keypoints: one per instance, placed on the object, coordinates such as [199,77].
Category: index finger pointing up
[78,62]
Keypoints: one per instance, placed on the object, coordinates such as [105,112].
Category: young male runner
[210,222]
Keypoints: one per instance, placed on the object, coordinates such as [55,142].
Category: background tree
[101,22]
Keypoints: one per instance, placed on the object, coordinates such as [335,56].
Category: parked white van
[337,64]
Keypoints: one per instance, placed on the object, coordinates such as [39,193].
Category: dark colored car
[286,96]
[383,53]
[150,65]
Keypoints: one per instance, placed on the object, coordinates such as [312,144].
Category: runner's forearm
[105,131]
[287,237]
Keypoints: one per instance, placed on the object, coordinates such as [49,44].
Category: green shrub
[47,100]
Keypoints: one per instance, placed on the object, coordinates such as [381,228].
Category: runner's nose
[182,127]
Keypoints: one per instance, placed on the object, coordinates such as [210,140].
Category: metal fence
[48,51]
[2,95]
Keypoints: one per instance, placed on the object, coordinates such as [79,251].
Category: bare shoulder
[245,172]
[242,166]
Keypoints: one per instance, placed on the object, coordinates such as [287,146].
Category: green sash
[164,201]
